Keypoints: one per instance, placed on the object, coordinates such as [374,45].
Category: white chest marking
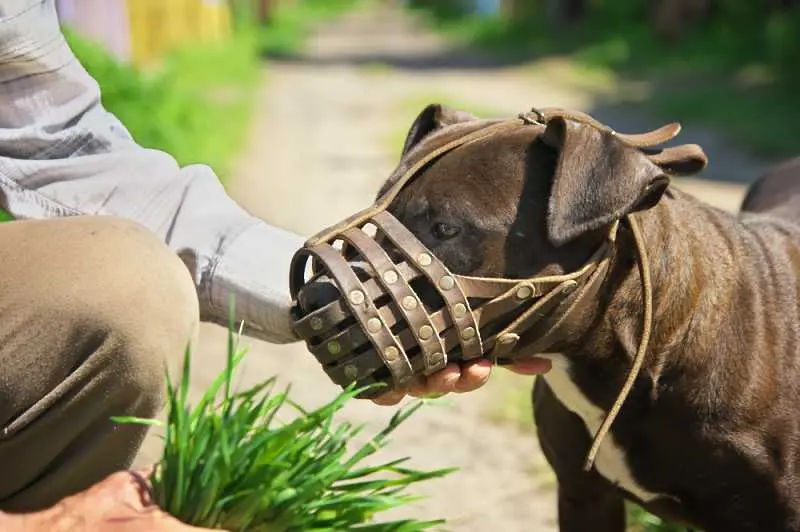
[611,462]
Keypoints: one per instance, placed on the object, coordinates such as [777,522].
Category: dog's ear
[597,180]
[435,116]
[686,159]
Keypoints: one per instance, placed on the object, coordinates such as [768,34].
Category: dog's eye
[443,231]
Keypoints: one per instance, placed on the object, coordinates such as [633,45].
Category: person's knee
[93,308]
[145,308]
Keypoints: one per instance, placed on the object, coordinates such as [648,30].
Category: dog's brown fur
[713,421]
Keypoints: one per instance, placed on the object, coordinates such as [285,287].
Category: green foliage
[699,77]
[641,521]
[229,462]
[286,32]
[194,106]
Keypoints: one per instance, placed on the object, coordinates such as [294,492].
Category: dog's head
[522,202]
[525,201]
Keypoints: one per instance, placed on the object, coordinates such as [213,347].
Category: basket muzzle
[399,313]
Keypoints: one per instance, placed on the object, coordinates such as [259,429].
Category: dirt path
[318,152]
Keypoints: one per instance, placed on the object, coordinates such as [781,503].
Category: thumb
[530,365]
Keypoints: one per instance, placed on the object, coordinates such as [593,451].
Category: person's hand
[120,503]
[462,378]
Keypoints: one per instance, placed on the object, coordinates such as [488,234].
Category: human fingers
[473,376]
[530,366]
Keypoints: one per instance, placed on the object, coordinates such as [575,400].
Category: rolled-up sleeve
[63,154]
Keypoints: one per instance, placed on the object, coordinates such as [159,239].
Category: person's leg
[90,309]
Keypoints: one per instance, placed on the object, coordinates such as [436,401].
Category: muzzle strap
[364,310]
[446,283]
[395,284]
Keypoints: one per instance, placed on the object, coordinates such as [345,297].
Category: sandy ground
[318,151]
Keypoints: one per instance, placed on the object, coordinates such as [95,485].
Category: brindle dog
[709,434]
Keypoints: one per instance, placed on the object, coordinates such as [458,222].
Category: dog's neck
[697,261]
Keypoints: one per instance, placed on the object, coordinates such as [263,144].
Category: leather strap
[363,309]
[445,282]
[405,299]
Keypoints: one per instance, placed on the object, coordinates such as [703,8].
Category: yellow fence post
[159,26]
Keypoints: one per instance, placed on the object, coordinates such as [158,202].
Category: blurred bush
[288,24]
[728,63]
[730,32]
[194,105]
[192,98]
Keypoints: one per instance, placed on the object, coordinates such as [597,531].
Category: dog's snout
[317,294]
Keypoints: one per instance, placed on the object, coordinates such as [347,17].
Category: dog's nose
[316,295]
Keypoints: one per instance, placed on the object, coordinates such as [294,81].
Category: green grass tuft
[228,461]
[640,520]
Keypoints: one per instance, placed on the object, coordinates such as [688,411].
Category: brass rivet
[508,339]
[524,292]
[409,302]
[390,276]
[391,353]
[569,287]
[468,333]
[356,297]
[334,347]
[436,358]
[424,259]
[316,323]
[425,332]
[460,310]
[350,372]
[374,325]
[447,282]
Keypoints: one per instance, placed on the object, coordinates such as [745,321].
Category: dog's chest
[611,460]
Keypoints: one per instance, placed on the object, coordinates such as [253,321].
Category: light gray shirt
[63,154]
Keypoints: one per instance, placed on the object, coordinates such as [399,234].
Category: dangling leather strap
[644,343]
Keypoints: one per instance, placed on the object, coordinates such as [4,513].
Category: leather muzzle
[386,327]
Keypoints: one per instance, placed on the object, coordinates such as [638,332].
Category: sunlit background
[301,107]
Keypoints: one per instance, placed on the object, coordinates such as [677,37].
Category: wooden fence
[142,31]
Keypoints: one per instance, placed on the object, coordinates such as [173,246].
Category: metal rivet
[424,259]
[350,372]
[374,325]
[391,353]
[425,332]
[356,297]
[508,339]
[447,282]
[436,358]
[524,292]
[334,347]
[390,276]
[316,323]
[468,333]
[569,287]
[409,302]
[460,310]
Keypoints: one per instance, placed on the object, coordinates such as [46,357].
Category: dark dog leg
[586,501]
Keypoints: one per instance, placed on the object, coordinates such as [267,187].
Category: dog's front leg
[586,501]
[581,509]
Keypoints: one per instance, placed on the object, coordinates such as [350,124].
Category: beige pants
[90,310]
